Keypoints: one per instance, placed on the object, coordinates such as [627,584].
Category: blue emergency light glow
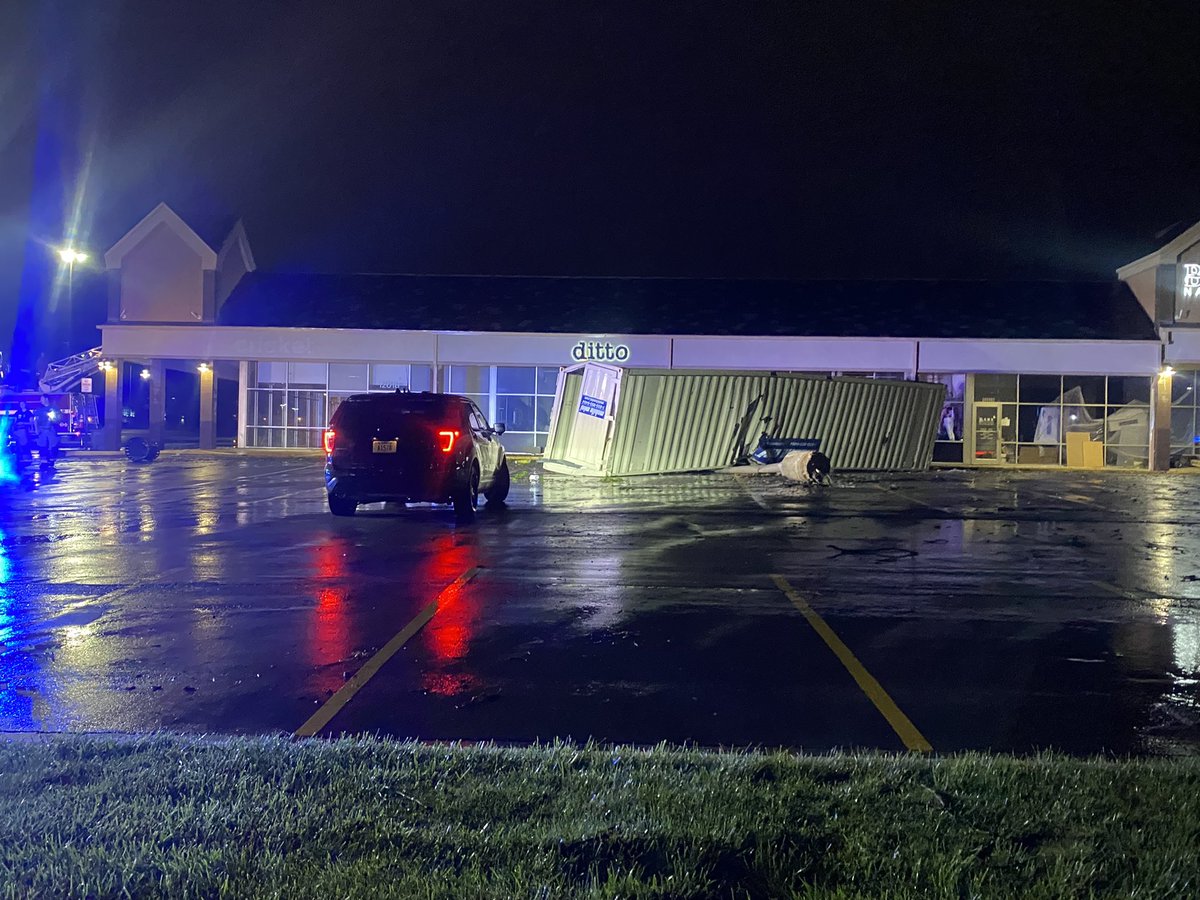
[8,467]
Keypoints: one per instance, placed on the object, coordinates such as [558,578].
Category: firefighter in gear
[46,419]
[23,434]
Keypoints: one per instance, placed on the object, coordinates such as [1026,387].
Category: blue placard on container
[773,450]
[593,406]
[786,444]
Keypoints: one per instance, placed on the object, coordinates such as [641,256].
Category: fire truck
[74,408]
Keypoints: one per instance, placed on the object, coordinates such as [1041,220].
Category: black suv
[419,448]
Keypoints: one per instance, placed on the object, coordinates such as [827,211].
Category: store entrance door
[986,419]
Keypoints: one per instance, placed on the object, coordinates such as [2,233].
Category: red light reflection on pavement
[330,644]
[338,627]
[448,634]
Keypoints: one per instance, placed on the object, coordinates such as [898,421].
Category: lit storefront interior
[1045,420]
[987,419]
[288,403]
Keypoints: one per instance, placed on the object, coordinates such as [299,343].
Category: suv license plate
[383,446]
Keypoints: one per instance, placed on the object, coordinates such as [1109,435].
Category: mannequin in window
[949,432]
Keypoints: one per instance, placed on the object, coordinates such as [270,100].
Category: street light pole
[70,256]
[70,302]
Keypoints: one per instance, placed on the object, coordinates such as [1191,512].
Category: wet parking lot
[952,610]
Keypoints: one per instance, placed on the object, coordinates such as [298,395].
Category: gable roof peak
[160,215]
[237,240]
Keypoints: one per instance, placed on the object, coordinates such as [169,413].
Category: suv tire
[467,496]
[499,489]
[342,506]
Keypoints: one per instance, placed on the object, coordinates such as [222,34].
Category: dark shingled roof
[930,309]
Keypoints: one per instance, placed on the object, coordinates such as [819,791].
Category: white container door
[593,416]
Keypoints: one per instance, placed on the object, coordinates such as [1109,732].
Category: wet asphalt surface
[1008,611]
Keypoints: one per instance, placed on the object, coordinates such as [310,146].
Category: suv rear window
[394,409]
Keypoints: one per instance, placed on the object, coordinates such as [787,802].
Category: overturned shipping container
[613,421]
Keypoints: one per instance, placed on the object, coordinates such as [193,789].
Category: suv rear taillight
[448,438]
[330,437]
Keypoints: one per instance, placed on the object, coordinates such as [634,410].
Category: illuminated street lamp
[70,256]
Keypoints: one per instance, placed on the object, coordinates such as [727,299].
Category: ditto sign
[599,351]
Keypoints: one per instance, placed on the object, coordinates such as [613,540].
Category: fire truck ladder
[64,375]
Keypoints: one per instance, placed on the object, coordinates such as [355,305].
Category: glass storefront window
[1028,416]
[545,408]
[951,421]
[1090,417]
[950,424]
[1040,388]
[1113,411]
[1091,386]
[350,378]
[516,380]
[266,437]
[1183,427]
[524,398]
[306,409]
[269,374]
[389,376]
[515,412]
[266,408]
[470,379]
[1127,457]
[1184,387]
[995,388]
[420,378]
[948,452]
[307,374]
[289,404]
[1129,389]
[547,380]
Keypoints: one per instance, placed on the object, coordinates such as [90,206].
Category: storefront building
[1167,286]
[1036,373]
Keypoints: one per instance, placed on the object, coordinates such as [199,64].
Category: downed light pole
[613,421]
[805,465]
[140,451]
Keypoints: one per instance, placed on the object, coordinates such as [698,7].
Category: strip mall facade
[1114,364]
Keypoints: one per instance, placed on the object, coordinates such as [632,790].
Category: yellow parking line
[334,704]
[901,724]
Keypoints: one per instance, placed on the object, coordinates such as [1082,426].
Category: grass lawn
[273,817]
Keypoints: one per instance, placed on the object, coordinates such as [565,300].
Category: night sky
[807,140]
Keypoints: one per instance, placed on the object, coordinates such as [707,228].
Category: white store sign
[600,351]
[1191,280]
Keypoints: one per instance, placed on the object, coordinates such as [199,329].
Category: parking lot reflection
[330,640]
[18,668]
[449,634]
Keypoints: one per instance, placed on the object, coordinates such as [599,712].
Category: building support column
[243,401]
[208,407]
[158,401]
[113,410]
[1160,422]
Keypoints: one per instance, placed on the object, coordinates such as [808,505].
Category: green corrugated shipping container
[613,421]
